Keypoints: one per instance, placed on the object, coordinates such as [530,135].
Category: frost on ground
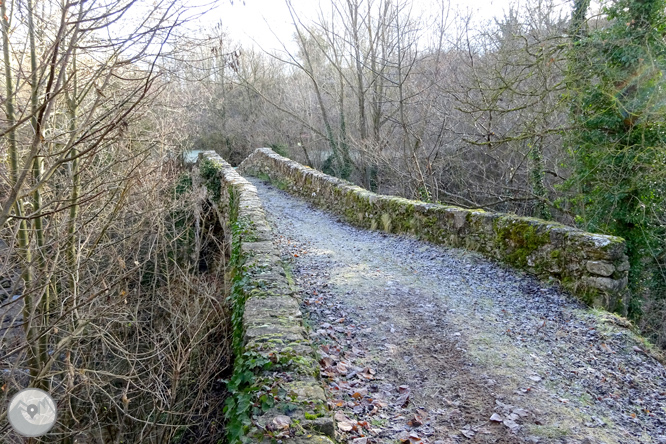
[425,344]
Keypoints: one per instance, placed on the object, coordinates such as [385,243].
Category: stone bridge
[275,386]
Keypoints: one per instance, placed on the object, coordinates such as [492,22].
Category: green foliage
[338,166]
[181,239]
[280,148]
[618,108]
[183,185]
[209,171]
[244,393]
[424,194]
[237,409]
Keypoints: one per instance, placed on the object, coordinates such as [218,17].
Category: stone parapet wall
[593,267]
[275,389]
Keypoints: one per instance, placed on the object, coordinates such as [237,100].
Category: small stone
[521,412]
[512,425]
[496,418]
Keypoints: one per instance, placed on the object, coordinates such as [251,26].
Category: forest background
[551,111]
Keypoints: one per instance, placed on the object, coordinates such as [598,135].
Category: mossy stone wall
[275,387]
[593,267]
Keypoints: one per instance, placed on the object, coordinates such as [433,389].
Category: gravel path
[425,344]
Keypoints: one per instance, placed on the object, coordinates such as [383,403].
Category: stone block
[600,268]
[307,390]
[459,218]
[605,283]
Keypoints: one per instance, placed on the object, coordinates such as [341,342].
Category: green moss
[313,416]
[278,183]
[263,176]
[386,222]
[553,432]
[518,239]
[289,274]
[281,184]
[183,185]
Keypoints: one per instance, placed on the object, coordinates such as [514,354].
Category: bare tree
[103,304]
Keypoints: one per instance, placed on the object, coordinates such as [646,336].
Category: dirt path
[425,344]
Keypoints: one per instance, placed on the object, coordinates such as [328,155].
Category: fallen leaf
[512,425]
[521,412]
[340,417]
[496,418]
[484,431]
[368,373]
[413,437]
[403,400]
[606,348]
[379,403]
[415,421]
[281,422]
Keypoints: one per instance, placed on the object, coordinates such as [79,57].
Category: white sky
[265,22]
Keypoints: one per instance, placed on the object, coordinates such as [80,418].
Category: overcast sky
[267,21]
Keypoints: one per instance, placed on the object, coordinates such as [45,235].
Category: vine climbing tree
[618,104]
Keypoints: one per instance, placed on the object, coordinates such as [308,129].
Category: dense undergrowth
[144,357]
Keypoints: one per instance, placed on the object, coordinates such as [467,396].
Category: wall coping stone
[272,324]
[594,267]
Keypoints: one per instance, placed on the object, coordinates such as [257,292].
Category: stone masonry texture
[282,393]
